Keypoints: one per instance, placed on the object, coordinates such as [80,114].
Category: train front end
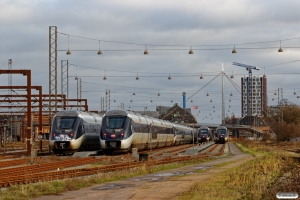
[203,135]
[116,135]
[63,133]
[221,135]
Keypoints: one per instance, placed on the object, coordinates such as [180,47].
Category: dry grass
[24,192]
[270,172]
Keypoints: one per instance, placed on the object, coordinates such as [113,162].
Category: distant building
[179,115]
[162,110]
[257,99]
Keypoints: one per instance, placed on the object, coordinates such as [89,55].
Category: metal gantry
[28,88]
[102,104]
[107,100]
[79,91]
[65,78]
[223,99]
[52,72]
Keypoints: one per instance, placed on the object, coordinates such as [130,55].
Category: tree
[285,122]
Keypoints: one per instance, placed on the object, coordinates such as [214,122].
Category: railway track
[162,150]
[7,174]
[9,163]
[44,172]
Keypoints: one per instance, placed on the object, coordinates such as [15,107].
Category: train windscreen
[221,131]
[65,122]
[203,131]
[115,122]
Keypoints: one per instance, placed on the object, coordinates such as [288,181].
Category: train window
[136,127]
[80,130]
[221,131]
[204,131]
[144,128]
[168,131]
[65,122]
[115,122]
[132,129]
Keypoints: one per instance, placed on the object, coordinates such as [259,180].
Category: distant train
[123,130]
[204,134]
[221,135]
[73,131]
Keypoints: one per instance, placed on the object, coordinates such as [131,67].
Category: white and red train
[123,130]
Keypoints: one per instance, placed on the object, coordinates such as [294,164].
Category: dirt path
[162,185]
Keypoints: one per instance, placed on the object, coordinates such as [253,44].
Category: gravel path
[161,185]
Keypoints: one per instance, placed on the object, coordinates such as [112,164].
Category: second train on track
[123,130]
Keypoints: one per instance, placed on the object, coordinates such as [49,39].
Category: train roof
[77,113]
[140,117]
[204,127]
[221,127]
[135,116]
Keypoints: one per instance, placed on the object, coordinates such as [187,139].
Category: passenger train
[222,134]
[73,131]
[123,130]
[204,134]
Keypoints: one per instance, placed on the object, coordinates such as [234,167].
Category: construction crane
[249,87]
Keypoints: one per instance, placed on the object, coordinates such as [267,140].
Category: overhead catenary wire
[201,88]
[179,45]
[174,73]
[233,83]
[142,88]
[197,49]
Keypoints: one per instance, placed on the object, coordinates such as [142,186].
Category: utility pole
[10,94]
[4,135]
[280,109]
[31,141]
[150,138]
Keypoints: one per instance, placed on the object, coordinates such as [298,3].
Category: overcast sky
[168,29]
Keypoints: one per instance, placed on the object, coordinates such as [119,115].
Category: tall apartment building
[254,102]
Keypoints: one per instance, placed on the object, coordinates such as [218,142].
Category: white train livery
[73,131]
[123,130]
